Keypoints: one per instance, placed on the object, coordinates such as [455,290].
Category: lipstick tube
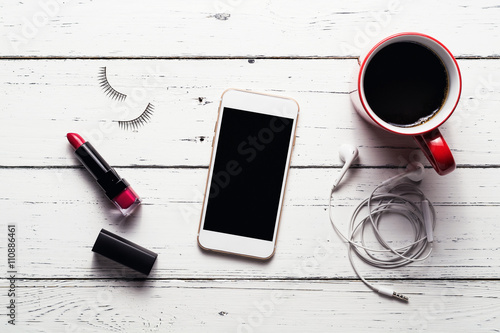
[117,189]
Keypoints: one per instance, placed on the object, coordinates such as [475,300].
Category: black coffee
[405,84]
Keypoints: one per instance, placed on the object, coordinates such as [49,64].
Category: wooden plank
[228,28]
[252,306]
[59,217]
[43,100]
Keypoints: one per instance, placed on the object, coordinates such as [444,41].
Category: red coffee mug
[427,134]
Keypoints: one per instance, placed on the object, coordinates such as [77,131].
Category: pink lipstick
[117,189]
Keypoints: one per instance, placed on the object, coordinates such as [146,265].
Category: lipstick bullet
[117,189]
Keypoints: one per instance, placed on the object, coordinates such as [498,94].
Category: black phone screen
[248,174]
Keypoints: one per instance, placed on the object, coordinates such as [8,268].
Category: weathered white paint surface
[241,28]
[162,52]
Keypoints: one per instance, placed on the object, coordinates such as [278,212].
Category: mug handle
[437,151]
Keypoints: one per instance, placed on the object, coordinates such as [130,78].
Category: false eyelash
[108,89]
[135,123]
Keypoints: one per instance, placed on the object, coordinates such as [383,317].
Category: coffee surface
[405,84]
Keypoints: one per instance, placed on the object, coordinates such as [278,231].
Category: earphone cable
[400,200]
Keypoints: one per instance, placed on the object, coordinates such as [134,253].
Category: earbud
[348,154]
[414,171]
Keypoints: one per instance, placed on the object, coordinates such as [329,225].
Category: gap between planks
[274,279]
[41,167]
[211,57]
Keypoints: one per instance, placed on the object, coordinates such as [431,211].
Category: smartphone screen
[248,173]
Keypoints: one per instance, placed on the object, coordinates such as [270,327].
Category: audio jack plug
[390,293]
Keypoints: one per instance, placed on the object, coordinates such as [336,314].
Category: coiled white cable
[404,199]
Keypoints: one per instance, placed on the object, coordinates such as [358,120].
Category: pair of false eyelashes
[132,124]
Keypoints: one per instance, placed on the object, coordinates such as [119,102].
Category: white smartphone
[251,151]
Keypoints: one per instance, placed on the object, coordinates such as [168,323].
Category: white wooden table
[180,56]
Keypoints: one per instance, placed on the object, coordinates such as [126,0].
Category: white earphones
[348,154]
[390,197]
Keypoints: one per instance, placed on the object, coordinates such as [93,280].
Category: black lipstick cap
[124,252]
